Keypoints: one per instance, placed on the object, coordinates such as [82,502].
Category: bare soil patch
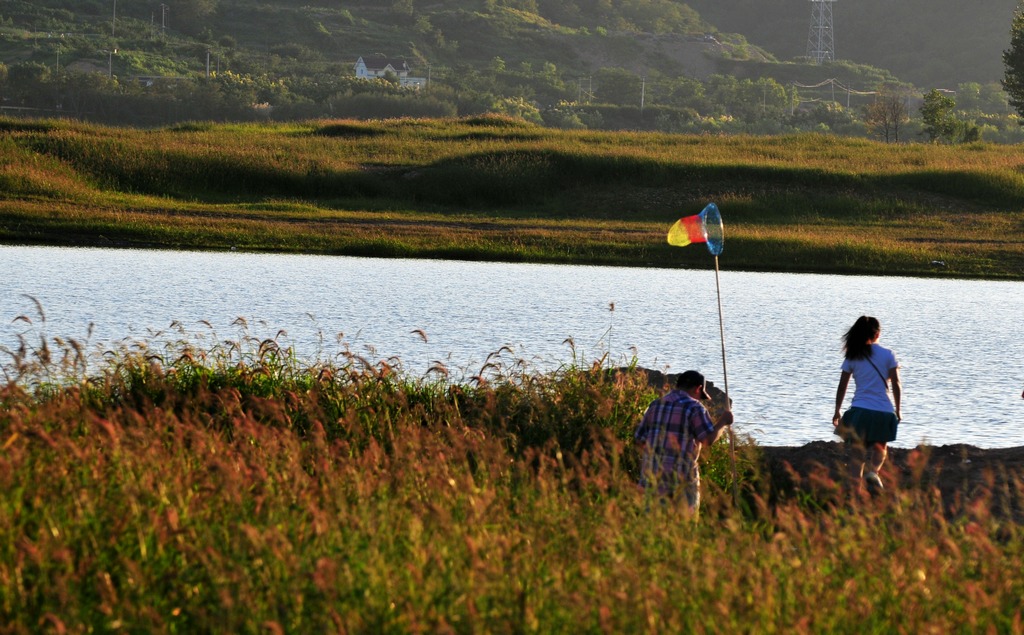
[961,474]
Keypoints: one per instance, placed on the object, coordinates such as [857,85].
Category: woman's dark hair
[855,341]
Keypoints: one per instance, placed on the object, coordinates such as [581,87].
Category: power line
[836,83]
[832,83]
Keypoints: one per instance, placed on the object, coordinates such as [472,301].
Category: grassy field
[236,490]
[497,189]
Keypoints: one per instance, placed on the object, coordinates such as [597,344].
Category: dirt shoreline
[961,473]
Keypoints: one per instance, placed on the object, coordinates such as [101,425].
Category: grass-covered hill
[491,188]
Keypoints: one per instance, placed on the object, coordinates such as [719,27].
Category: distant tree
[940,123]
[994,99]
[423,25]
[721,90]
[549,72]
[968,132]
[192,16]
[1013,60]
[617,86]
[968,96]
[29,84]
[760,100]
[88,93]
[26,72]
[886,115]
[686,92]
[529,6]
[675,120]
[827,116]
[403,11]
[563,115]
[517,107]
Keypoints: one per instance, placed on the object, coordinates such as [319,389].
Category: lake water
[959,342]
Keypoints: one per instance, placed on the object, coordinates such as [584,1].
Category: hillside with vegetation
[496,188]
[658,65]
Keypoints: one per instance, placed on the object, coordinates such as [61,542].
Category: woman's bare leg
[856,463]
[876,457]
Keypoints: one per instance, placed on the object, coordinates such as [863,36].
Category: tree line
[611,98]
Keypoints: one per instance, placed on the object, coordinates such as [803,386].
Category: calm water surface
[959,342]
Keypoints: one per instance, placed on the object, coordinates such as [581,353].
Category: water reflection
[958,341]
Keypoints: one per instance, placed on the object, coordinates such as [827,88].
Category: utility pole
[163,18]
[113,19]
[57,75]
[110,62]
[643,93]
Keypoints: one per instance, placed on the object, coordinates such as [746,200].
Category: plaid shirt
[670,430]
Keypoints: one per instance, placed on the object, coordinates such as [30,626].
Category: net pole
[725,379]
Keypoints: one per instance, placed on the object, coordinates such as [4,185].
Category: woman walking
[871,421]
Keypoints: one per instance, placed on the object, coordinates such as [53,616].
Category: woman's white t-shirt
[871,390]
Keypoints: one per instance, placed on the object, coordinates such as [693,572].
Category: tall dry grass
[234,489]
